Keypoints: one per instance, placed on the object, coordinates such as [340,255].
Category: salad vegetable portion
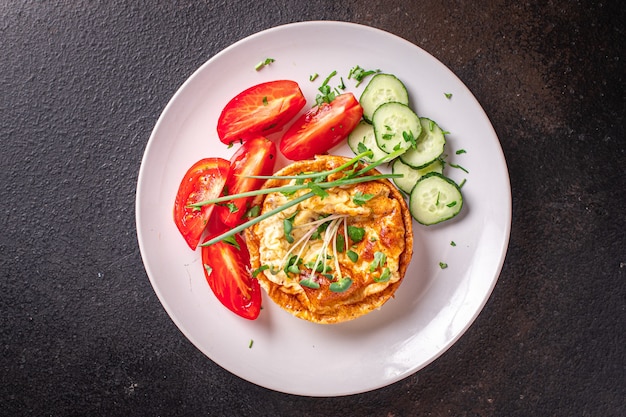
[215,196]
[420,142]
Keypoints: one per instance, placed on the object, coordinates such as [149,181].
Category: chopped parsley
[359,74]
[356,234]
[359,198]
[232,241]
[459,167]
[380,259]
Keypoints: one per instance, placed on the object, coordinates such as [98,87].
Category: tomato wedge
[321,128]
[257,156]
[259,110]
[227,270]
[203,181]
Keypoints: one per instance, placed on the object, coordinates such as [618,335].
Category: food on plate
[391,125]
[259,110]
[334,257]
[226,268]
[321,128]
[382,88]
[204,180]
[256,156]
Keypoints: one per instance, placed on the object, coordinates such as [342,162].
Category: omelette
[334,257]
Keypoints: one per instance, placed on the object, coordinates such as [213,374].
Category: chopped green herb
[232,207]
[317,190]
[408,137]
[384,277]
[263,63]
[448,95]
[462,183]
[326,94]
[352,255]
[260,269]
[361,148]
[250,344]
[359,198]
[313,77]
[357,73]
[380,259]
[460,151]
[443,265]
[356,234]
[459,167]
[265,101]
[231,241]
[208,269]
[341,243]
[451,204]
[453,243]
[253,211]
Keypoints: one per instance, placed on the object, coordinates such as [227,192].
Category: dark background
[82,84]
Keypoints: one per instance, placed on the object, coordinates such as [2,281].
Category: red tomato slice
[321,128]
[260,110]
[227,270]
[203,181]
[257,156]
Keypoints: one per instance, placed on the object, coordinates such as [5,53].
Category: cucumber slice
[434,199]
[412,175]
[429,145]
[396,126]
[382,88]
[362,137]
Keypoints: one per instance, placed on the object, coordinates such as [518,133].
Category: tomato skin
[257,156]
[227,270]
[259,110]
[321,128]
[203,180]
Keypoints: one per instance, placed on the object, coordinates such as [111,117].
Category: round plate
[434,305]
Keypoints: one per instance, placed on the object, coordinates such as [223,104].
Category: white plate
[431,309]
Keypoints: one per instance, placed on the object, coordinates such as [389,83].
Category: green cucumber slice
[396,126]
[429,145]
[412,175]
[382,88]
[434,199]
[363,137]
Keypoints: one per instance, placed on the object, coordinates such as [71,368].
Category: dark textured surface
[82,85]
